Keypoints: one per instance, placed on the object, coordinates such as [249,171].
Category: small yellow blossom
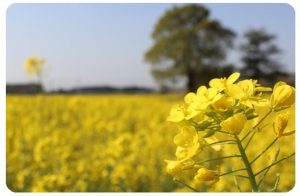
[187,137]
[280,124]
[189,98]
[222,83]
[33,65]
[283,95]
[174,167]
[242,91]
[234,124]
[208,95]
[204,174]
[245,92]
[197,103]
[187,153]
[223,104]
[176,114]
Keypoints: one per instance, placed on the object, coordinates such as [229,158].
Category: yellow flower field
[110,143]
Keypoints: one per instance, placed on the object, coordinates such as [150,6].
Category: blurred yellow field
[110,143]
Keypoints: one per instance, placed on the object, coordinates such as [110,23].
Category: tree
[259,53]
[188,46]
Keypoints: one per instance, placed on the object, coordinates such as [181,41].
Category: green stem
[241,176]
[267,114]
[266,171]
[262,119]
[176,180]
[251,175]
[223,132]
[250,140]
[219,142]
[236,184]
[267,148]
[218,158]
[274,164]
[224,174]
[275,188]
[246,136]
[263,177]
[254,131]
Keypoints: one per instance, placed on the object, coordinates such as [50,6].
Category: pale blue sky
[104,44]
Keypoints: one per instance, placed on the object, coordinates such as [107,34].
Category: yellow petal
[187,153]
[201,90]
[263,89]
[234,124]
[187,137]
[217,84]
[189,98]
[176,114]
[232,78]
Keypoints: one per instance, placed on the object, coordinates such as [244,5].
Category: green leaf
[251,116]
[202,126]
[249,111]
[209,133]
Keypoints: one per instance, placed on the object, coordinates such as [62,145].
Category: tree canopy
[259,52]
[188,46]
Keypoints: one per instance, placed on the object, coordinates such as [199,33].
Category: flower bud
[204,174]
[283,95]
[234,124]
[280,124]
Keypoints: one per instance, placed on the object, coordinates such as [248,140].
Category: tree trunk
[191,83]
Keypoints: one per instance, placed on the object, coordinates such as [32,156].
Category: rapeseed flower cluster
[228,112]
[33,65]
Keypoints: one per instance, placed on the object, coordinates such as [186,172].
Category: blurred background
[147,47]
[90,86]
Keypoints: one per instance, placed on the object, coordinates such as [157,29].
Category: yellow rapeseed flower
[193,105]
[174,167]
[283,95]
[204,174]
[208,95]
[197,103]
[223,104]
[189,98]
[280,124]
[187,153]
[222,83]
[187,137]
[33,65]
[177,113]
[243,91]
[234,124]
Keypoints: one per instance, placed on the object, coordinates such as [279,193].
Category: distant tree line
[191,47]
[36,88]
